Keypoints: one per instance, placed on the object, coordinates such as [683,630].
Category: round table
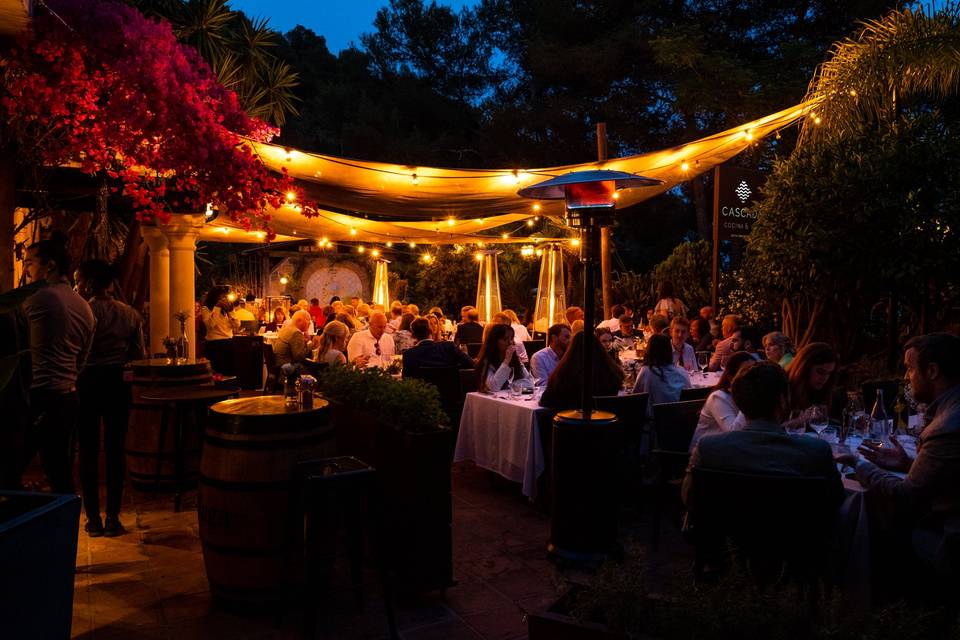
[180,401]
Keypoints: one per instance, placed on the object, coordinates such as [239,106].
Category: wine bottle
[880,422]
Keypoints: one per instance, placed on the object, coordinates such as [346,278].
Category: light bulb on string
[389,243]
[284,280]
[504,235]
[291,196]
[749,135]
[414,179]
[536,206]
[575,242]
[451,221]
[360,249]
[529,222]
[413,245]
[478,256]
[684,166]
[353,231]
[375,253]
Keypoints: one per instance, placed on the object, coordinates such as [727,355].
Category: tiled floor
[150,583]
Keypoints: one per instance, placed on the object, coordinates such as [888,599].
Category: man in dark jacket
[428,353]
[470,331]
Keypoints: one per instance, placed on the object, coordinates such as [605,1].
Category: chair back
[771,519]
[469,380]
[869,392]
[532,346]
[272,380]
[473,349]
[674,424]
[630,409]
[695,393]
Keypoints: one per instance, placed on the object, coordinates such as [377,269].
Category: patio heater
[381,284]
[583,519]
[551,299]
[591,199]
[488,285]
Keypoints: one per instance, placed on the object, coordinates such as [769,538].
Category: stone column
[182,232]
[159,286]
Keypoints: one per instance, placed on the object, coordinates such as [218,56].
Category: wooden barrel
[144,430]
[251,546]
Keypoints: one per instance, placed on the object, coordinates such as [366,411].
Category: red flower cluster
[115,92]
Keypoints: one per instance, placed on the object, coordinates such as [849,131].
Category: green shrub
[409,405]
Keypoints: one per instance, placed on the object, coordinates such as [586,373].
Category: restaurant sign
[735,189]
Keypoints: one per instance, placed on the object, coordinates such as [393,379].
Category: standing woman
[117,340]
[668,304]
[218,318]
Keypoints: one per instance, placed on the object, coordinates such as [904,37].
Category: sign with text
[734,191]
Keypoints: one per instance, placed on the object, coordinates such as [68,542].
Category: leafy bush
[409,405]
[688,268]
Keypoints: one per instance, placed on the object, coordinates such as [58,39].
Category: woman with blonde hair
[779,348]
[435,332]
[333,344]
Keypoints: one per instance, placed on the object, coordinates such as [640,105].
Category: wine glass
[703,359]
[819,419]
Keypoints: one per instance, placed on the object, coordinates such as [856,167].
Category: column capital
[154,237]
[183,230]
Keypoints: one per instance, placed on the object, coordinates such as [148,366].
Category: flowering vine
[97,84]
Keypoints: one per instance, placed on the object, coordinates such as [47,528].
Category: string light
[375,253]
[289,153]
[539,252]
[291,196]
[478,256]
[413,245]
[284,280]
[427,258]
[529,223]
[480,243]
[451,221]
[261,235]
[853,93]
[231,296]
[389,243]
[479,220]
[516,177]
[536,206]
[816,118]
[526,251]
[575,242]
[504,235]
[749,135]
[353,231]
[360,249]
[414,179]
[616,195]
[684,166]
[224,230]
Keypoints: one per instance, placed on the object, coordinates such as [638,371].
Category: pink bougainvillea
[99,84]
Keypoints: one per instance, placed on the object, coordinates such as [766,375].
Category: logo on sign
[743,191]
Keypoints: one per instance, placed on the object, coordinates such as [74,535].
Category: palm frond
[206,26]
[908,55]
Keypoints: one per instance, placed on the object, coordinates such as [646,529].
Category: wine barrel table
[143,446]
[252,547]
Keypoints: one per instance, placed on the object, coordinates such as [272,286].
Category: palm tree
[238,49]
[894,62]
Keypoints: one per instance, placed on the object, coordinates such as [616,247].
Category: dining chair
[447,382]
[469,380]
[695,393]
[673,427]
[778,525]
[272,382]
[631,411]
[473,349]
[532,346]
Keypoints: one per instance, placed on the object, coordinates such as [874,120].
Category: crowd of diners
[81,337]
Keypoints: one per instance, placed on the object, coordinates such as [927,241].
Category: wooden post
[715,280]
[606,245]
[8,179]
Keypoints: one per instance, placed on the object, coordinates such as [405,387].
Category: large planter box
[413,475]
[38,560]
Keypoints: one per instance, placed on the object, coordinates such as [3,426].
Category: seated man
[760,391]
[291,344]
[931,489]
[732,342]
[428,353]
[543,362]
[470,331]
[626,329]
[372,347]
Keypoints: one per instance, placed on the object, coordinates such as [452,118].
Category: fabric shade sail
[409,192]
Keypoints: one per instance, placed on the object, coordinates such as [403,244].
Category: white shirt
[542,364]
[520,332]
[719,415]
[689,356]
[661,390]
[500,377]
[613,324]
[242,314]
[393,325]
[220,325]
[362,343]
[671,307]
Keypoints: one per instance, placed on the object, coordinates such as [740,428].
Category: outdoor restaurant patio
[479,319]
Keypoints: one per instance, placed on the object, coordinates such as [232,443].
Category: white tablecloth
[500,434]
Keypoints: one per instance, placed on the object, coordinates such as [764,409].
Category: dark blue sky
[340,21]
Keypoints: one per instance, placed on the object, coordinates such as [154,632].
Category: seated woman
[720,413]
[565,384]
[436,332]
[607,342]
[497,362]
[779,348]
[813,374]
[279,318]
[402,337]
[333,344]
[659,377]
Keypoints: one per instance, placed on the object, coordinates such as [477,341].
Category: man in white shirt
[543,362]
[372,347]
[683,354]
[614,322]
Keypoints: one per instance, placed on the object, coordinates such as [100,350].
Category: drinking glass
[703,359]
[516,389]
[819,421]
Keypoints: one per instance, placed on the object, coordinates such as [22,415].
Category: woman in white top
[497,363]
[333,344]
[720,413]
[220,325]
[668,304]
[659,377]
[520,333]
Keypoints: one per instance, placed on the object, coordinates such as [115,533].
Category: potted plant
[399,427]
